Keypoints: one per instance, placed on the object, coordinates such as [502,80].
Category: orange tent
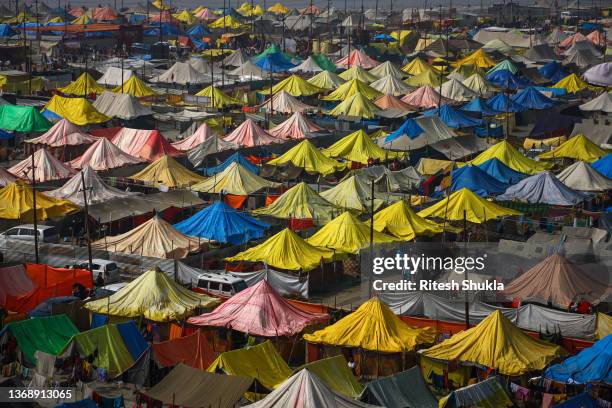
[194,350]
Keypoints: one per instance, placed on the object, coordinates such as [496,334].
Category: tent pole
[467,301]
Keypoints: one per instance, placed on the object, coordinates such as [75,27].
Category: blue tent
[7,31]
[478,105]
[275,62]
[236,157]
[604,165]
[500,172]
[531,98]
[132,338]
[384,37]
[582,400]
[475,179]
[198,30]
[548,125]
[552,91]
[454,118]
[504,78]
[4,135]
[592,364]
[166,28]
[409,128]
[552,71]
[220,222]
[543,188]
[503,103]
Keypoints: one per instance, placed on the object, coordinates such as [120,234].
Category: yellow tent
[356,72]
[478,58]
[167,171]
[83,19]
[353,193]
[402,36]
[295,86]
[278,9]
[135,87]
[350,88]
[197,10]
[16,203]
[334,372]
[55,20]
[185,16]
[429,77]
[160,5]
[226,22]
[357,106]
[373,326]
[417,66]
[347,234]
[477,83]
[286,250]
[244,7]
[467,70]
[401,221]
[154,296]
[76,110]
[359,147]
[571,83]
[235,179]
[326,80]
[21,18]
[82,86]
[507,154]
[476,208]
[309,158]
[218,98]
[300,202]
[261,362]
[578,147]
[498,344]
[429,167]
[604,325]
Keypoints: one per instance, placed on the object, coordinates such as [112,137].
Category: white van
[25,232]
[222,284]
[109,269]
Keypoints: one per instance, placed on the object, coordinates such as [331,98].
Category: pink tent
[425,97]
[103,14]
[63,133]
[14,282]
[104,155]
[164,17]
[248,134]
[296,127]
[569,41]
[149,145]
[206,14]
[6,177]
[284,102]
[46,167]
[392,102]
[76,11]
[597,38]
[202,134]
[357,58]
[260,311]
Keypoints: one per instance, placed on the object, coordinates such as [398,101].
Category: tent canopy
[235,179]
[149,145]
[593,364]
[46,168]
[294,85]
[218,98]
[353,193]
[454,118]
[336,374]
[168,172]
[543,188]
[154,296]
[63,133]
[248,134]
[121,106]
[604,165]
[298,126]
[511,157]
[405,389]
[306,156]
[350,88]
[356,106]
[477,180]
[103,155]
[16,199]
[499,171]
[401,221]
[84,85]
[22,119]
[582,177]
[77,110]
[326,80]
[356,72]
[135,87]
[234,158]
[578,147]
[359,147]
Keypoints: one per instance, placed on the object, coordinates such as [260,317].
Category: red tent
[149,145]
[103,14]
[260,311]
[357,58]
[194,350]
[248,134]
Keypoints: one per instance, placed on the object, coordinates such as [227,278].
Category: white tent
[46,167]
[114,76]
[197,156]
[202,134]
[63,133]
[457,91]
[96,189]
[391,85]
[181,73]
[600,74]
[122,106]
[309,65]
[283,102]
[104,155]
[387,68]
[434,130]
[581,176]
[297,126]
[603,103]
[248,72]
[236,58]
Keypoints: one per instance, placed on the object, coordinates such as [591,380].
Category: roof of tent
[234,158]
[347,234]
[181,73]
[457,91]
[416,133]
[454,118]
[352,87]
[373,326]
[136,87]
[22,119]
[249,134]
[464,203]
[154,296]
[16,199]
[571,83]
[359,147]
[122,106]
[357,106]
[221,223]
[236,58]
[97,190]
[604,165]
[286,250]
[194,350]
[248,71]
[149,145]
[388,68]
[167,171]
[335,373]
[357,58]
[218,98]
[479,84]
[234,179]
[63,133]
[506,79]
[543,188]
[531,98]
[7,177]
[416,67]
[425,97]
[602,103]
[498,344]
[401,221]
[77,110]
[262,362]
[46,166]
[499,171]
[283,102]
[540,53]
[115,76]
[487,393]
[591,365]
[599,74]
[198,155]
[353,193]
[503,103]
[505,65]
[199,388]
[356,72]
[404,389]
[478,58]
[309,65]
[297,126]
[478,181]
[430,78]
[295,86]
[274,62]
[82,86]
[103,155]
[511,157]
[202,134]
[391,85]
[259,311]
[582,177]
[326,80]
[553,71]
[479,105]
[578,147]
[309,158]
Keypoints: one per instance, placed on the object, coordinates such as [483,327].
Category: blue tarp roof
[275,62]
[531,98]
[236,157]
[198,30]
[45,308]
[583,400]
[475,179]
[220,222]
[7,31]
[503,103]
[506,79]
[409,128]
[552,69]
[454,118]
[132,338]
[551,122]
[543,188]
[604,165]
[385,37]
[499,171]
[592,364]
[6,135]
[481,106]
[167,29]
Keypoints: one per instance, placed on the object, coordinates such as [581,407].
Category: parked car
[25,232]
[109,269]
[221,284]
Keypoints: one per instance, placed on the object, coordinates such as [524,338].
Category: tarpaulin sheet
[194,350]
[593,364]
[47,334]
[234,179]
[604,325]
[77,110]
[14,282]
[236,157]
[132,338]
[304,155]
[336,374]
[22,119]
[499,171]
[168,172]
[359,147]
[46,167]
[511,157]
[405,389]
[488,393]
[460,147]
[579,147]
[149,145]
[417,133]
[543,188]
[475,179]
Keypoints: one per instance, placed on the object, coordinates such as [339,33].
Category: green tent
[22,119]
[48,334]
[504,65]
[324,62]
